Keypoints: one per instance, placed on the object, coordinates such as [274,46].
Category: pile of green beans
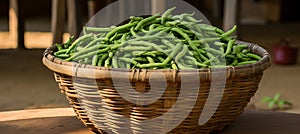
[163,41]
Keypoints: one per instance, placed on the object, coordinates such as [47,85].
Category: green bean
[182,16]
[79,48]
[114,62]
[145,21]
[144,30]
[213,59]
[218,53]
[212,33]
[173,53]
[242,54]
[246,51]
[136,48]
[82,56]
[219,31]
[200,50]
[191,19]
[166,42]
[150,59]
[144,43]
[229,47]
[239,56]
[197,34]
[174,66]
[133,18]
[108,60]
[209,39]
[184,35]
[158,31]
[101,35]
[219,44]
[254,56]
[166,14]
[201,64]
[234,63]
[121,64]
[230,56]
[102,59]
[183,66]
[235,50]
[127,66]
[186,31]
[182,53]
[124,36]
[95,60]
[155,21]
[246,62]
[160,59]
[238,48]
[119,28]
[141,59]
[151,65]
[88,50]
[172,23]
[97,29]
[69,42]
[153,26]
[133,32]
[97,40]
[113,37]
[63,56]
[101,51]
[136,53]
[63,51]
[229,32]
[195,54]
[87,60]
[80,39]
[58,46]
[206,27]
[203,57]
[129,61]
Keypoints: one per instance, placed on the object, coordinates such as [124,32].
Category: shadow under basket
[92,93]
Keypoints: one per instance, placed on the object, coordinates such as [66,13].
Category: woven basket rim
[65,67]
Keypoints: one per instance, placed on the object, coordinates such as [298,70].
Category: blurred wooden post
[93,7]
[158,6]
[217,8]
[16,22]
[230,14]
[58,20]
[122,9]
[74,17]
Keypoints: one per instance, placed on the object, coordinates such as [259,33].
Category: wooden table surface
[63,121]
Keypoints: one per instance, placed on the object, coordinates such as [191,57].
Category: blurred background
[28,27]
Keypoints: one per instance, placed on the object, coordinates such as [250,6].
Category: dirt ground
[26,83]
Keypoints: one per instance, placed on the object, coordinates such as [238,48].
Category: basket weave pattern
[88,95]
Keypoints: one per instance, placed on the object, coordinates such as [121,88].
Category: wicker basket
[91,92]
